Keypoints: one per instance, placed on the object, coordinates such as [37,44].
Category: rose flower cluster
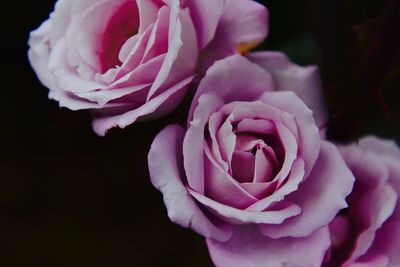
[251,169]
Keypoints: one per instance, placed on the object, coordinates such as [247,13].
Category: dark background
[70,198]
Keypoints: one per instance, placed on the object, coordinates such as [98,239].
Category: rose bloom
[252,173]
[133,59]
[367,233]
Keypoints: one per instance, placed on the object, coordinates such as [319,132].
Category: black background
[71,198]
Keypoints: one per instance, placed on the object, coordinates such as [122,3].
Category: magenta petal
[320,197]
[248,247]
[304,81]
[166,172]
[242,166]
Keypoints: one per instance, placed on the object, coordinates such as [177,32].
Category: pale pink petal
[308,138]
[142,74]
[166,174]
[242,23]
[162,104]
[377,206]
[214,123]
[304,81]
[104,96]
[181,58]
[158,41]
[66,77]
[382,147]
[39,54]
[233,80]
[320,197]
[135,55]
[148,10]
[226,140]
[193,143]
[238,216]
[60,19]
[249,248]
[206,16]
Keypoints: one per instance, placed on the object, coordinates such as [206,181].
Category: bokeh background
[70,198]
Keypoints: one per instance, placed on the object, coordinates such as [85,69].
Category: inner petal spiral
[122,25]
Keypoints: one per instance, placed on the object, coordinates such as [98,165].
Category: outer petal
[39,54]
[320,197]
[242,23]
[234,78]
[162,104]
[205,16]
[193,149]
[249,248]
[304,81]
[165,165]
[380,146]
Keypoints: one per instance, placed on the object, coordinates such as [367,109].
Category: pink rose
[252,173]
[133,59]
[368,232]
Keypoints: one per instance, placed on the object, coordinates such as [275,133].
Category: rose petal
[308,138]
[221,187]
[192,148]
[233,79]
[248,247]
[166,173]
[242,23]
[238,216]
[205,16]
[162,104]
[242,166]
[181,57]
[320,197]
[304,81]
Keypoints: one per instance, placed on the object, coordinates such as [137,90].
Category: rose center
[253,160]
[122,25]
